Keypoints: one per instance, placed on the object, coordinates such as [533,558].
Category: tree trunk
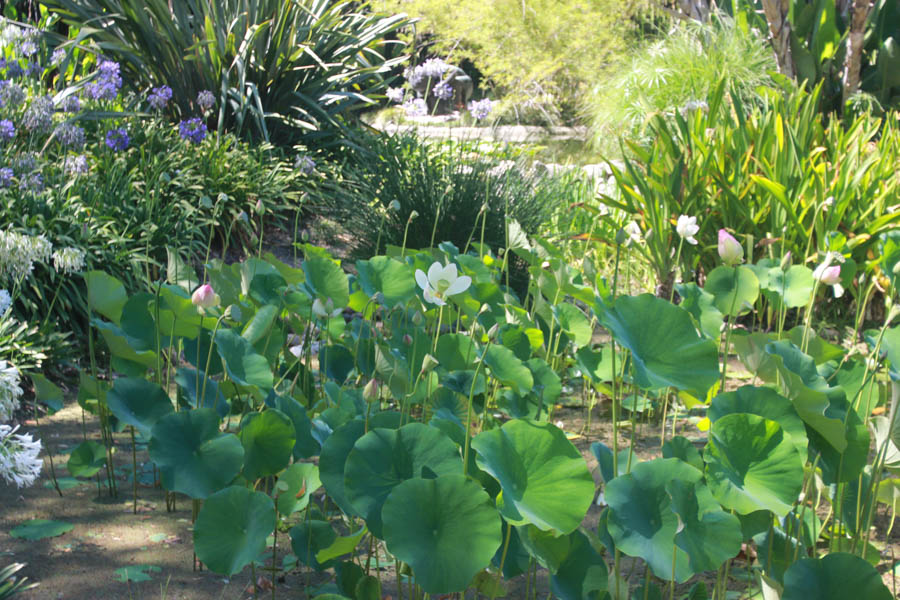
[853,61]
[697,10]
[780,30]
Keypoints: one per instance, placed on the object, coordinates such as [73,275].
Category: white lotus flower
[325,309]
[687,228]
[441,282]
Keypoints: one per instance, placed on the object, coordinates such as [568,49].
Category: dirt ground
[107,536]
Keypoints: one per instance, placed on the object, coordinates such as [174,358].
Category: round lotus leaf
[583,573]
[446,529]
[836,576]
[193,456]
[332,459]
[792,287]
[299,481]
[86,459]
[665,346]
[456,352]
[544,478]
[309,538]
[708,534]
[392,278]
[752,465]
[244,365]
[734,289]
[139,403]
[641,518]
[766,403]
[508,368]
[39,529]
[268,441]
[383,458]
[232,528]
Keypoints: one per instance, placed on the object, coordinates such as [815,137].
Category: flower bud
[829,275]
[407,340]
[621,236]
[786,261]
[372,391]
[730,250]
[429,363]
[413,215]
[259,207]
[418,319]
[394,206]
[205,297]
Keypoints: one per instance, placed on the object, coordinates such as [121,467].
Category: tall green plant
[280,69]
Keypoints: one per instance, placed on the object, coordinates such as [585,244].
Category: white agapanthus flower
[5,302]
[10,391]
[441,282]
[19,462]
[68,260]
[19,252]
[687,228]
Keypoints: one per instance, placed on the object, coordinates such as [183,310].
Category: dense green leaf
[232,528]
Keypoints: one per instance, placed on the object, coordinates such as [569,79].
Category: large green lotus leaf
[305,445]
[819,349]
[890,344]
[39,529]
[766,403]
[665,346]
[242,362]
[456,352]
[678,447]
[189,379]
[544,479]
[836,576]
[341,545]
[337,361]
[105,294]
[138,402]
[138,325]
[508,369]
[641,520]
[864,391]
[201,353]
[326,279]
[734,289]
[86,459]
[392,278]
[309,538]
[232,528]
[446,529]
[597,365]
[751,349]
[841,466]
[193,456]
[792,288]
[547,547]
[300,481]
[752,465]
[582,574]
[46,392]
[119,344]
[260,324]
[268,440]
[776,551]
[333,458]
[547,384]
[708,534]
[574,322]
[384,458]
[701,305]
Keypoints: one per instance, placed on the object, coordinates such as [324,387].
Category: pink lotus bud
[372,391]
[205,297]
[730,250]
[828,275]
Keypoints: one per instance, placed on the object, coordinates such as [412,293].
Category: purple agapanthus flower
[434,68]
[75,165]
[14,70]
[395,94]
[415,107]
[443,91]
[32,182]
[206,100]
[58,56]
[70,135]
[71,104]
[480,109]
[305,164]
[7,130]
[106,85]
[39,114]
[28,48]
[193,130]
[117,139]
[34,70]
[6,177]
[159,97]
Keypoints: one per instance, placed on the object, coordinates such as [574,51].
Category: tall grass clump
[678,70]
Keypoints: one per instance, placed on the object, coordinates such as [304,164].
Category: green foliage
[542,55]
[281,70]
[684,65]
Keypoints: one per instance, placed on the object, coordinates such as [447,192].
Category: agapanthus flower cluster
[106,85]
[193,130]
[58,56]
[39,114]
[159,97]
[443,91]
[6,177]
[19,457]
[25,163]
[75,165]
[7,130]
[10,390]
[71,104]
[70,135]
[433,68]
[14,70]
[32,182]
[10,33]
[415,107]
[19,252]
[480,109]
[395,94]
[68,260]
[5,302]
[305,164]
[206,100]
[11,95]
[117,139]
[28,48]
[34,69]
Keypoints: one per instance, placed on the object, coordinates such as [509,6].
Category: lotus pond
[412,426]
